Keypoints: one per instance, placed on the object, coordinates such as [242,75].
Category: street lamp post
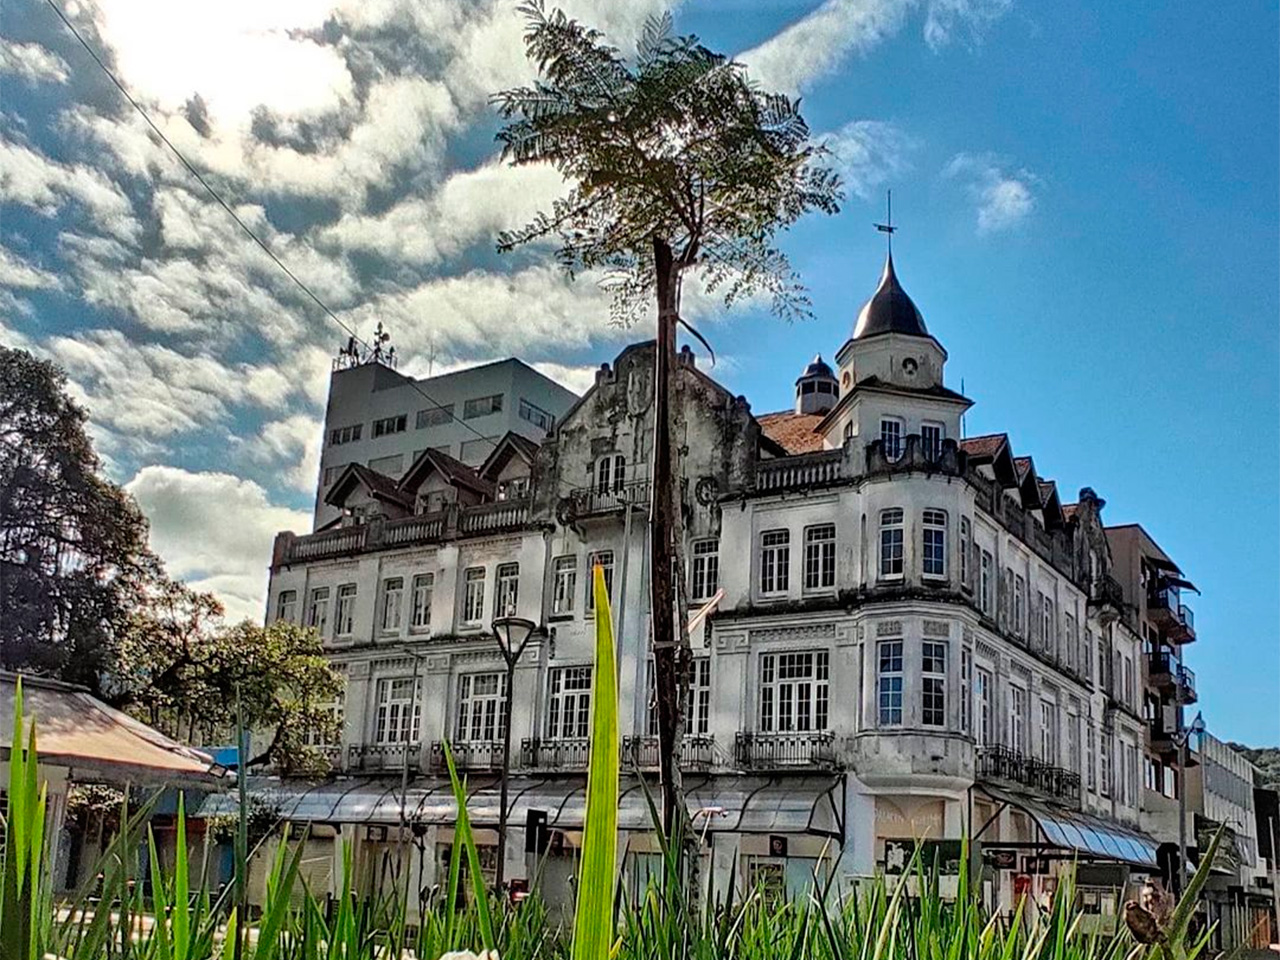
[513,635]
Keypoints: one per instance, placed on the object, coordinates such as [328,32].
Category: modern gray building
[378,417]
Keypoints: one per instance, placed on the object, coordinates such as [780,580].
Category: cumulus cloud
[215,531]
[31,62]
[1002,193]
[293,446]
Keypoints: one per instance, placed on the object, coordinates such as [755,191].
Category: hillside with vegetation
[1266,759]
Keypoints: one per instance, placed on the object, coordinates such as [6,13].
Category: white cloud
[820,42]
[292,444]
[868,154]
[18,274]
[33,180]
[579,379]
[215,531]
[31,62]
[1003,195]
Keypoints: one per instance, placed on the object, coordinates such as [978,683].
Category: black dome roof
[817,368]
[889,310]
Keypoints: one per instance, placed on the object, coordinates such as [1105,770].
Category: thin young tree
[676,164]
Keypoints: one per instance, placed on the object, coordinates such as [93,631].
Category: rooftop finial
[887,227]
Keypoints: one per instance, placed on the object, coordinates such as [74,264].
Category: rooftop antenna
[962,414]
[887,227]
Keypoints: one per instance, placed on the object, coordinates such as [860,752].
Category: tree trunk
[665,503]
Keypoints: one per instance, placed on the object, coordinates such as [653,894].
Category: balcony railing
[1107,590]
[476,756]
[696,753]
[1166,671]
[489,517]
[331,543]
[1175,618]
[426,527]
[801,471]
[784,751]
[382,757]
[556,755]
[611,498]
[1001,763]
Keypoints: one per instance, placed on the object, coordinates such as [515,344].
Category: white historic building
[914,637]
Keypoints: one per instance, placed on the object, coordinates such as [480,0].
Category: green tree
[73,551]
[677,165]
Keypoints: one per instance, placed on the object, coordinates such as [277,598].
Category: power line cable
[244,226]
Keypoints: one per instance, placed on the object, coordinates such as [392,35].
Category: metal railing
[382,757]
[477,756]
[784,751]
[1002,763]
[803,470]
[610,497]
[696,753]
[538,754]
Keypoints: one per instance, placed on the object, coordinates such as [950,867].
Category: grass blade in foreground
[593,925]
[462,838]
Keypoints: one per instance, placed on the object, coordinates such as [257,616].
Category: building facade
[383,419]
[909,635]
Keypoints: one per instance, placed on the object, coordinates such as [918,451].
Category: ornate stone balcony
[1002,765]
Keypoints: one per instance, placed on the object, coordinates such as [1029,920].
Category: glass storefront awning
[1083,833]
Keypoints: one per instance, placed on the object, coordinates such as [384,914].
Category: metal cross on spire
[887,227]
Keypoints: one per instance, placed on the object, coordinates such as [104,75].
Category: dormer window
[513,489]
[891,437]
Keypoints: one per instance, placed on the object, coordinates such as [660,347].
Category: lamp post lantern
[513,635]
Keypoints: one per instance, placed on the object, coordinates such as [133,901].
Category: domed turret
[889,310]
[817,388]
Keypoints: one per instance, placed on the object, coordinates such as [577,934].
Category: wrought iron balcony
[555,755]
[608,498]
[784,751]
[1167,673]
[696,753]
[1001,763]
[476,756]
[382,757]
[1176,620]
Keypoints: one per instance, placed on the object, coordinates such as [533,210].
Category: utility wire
[244,226]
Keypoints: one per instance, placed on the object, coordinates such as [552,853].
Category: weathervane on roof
[887,227]
[357,352]
[378,354]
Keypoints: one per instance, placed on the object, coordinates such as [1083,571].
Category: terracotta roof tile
[794,432]
[987,445]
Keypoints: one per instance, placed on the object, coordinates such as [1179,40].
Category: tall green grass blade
[594,930]
[181,889]
[462,837]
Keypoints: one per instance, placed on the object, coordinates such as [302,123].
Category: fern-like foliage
[677,144]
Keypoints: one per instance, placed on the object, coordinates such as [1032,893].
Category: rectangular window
[889,682]
[1018,719]
[569,706]
[1104,764]
[775,561]
[610,473]
[820,557]
[1128,681]
[482,707]
[507,594]
[986,599]
[964,552]
[983,681]
[793,692]
[399,712]
[1073,743]
[388,466]
[933,683]
[891,543]
[705,573]
[392,595]
[1086,655]
[891,438]
[565,585]
[931,440]
[1071,640]
[318,609]
[473,595]
[1048,638]
[482,406]
[1048,731]
[287,605]
[434,416]
[535,415]
[332,473]
[344,616]
[475,451]
[966,689]
[389,425]
[424,585]
[934,544]
[340,435]
[698,708]
[1090,751]
[603,559]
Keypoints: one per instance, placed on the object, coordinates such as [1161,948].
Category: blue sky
[1087,196]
